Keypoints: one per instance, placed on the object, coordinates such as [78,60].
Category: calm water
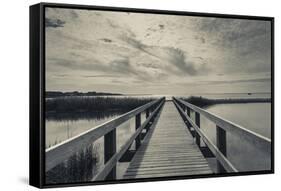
[236,95]
[60,130]
[215,95]
[253,116]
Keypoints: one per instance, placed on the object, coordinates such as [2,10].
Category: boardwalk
[168,150]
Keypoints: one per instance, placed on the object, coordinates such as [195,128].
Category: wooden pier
[168,150]
[167,143]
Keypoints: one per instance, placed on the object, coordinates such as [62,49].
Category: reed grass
[80,167]
[84,106]
[205,102]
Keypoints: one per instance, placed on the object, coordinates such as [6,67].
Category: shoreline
[205,102]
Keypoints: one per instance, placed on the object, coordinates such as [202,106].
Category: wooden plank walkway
[168,150]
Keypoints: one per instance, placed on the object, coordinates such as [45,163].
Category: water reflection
[85,164]
[65,126]
[253,116]
[62,128]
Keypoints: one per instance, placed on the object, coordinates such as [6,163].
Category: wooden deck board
[168,150]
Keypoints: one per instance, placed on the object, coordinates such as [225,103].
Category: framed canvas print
[130,95]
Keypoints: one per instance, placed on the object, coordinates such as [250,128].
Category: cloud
[117,28]
[140,46]
[116,81]
[61,75]
[200,39]
[240,45]
[68,39]
[149,65]
[258,80]
[85,76]
[152,29]
[74,65]
[99,76]
[54,23]
[198,57]
[95,48]
[111,23]
[73,14]
[106,40]
[161,26]
[232,32]
[121,65]
[175,56]
[227,82]
[113,68]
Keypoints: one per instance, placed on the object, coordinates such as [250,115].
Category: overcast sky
[122,52]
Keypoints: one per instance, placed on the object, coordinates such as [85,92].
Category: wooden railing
[222,127]
[62,151]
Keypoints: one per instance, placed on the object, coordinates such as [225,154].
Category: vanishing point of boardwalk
[167,143]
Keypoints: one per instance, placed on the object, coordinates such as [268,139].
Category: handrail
[222,159]
[62,151]
[114,159]
[258,140]
[223,126]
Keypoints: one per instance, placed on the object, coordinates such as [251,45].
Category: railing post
[183,108]
[197,122]
[188,114]
[147,116]
[138,124]
[221,144]
[147,113]
[109,151]
[188,111]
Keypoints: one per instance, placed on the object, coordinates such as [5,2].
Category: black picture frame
[37,92]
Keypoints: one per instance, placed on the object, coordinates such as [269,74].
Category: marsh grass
[83,165]
[75,107]
[205,102]
[80,167]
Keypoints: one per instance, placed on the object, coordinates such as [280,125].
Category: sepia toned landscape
[136,96]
